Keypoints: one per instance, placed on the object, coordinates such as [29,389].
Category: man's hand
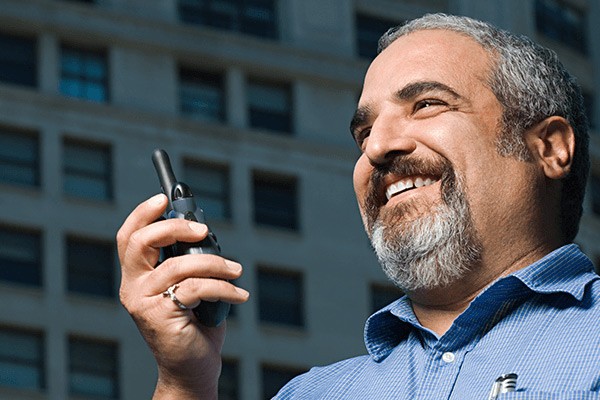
[187,353]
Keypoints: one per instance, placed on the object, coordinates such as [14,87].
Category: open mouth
[407,184]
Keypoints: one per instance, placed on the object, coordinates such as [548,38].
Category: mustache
[407,165]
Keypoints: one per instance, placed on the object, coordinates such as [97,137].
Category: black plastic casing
[183,205]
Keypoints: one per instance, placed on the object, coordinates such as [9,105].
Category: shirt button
[448,357]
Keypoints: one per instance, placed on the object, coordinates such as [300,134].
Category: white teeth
[405,184]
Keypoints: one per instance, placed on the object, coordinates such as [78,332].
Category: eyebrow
[408,92]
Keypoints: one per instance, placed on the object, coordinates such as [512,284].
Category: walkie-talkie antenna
[167,179]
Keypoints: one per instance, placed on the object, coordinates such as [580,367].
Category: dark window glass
[275,201]
[229,381]
[87,170]
[201,95]
[20,257]
[270,106]
[90,267]
[562,22]
[590,104]
[595,193]
[252,17]
[93,368]
[280,297]
[368,31]
[275,377]
[382,295]
[19,158]
[21,359]
[210,186]
[84,74]
[18,60]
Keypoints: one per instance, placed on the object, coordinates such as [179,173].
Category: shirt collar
[565,270]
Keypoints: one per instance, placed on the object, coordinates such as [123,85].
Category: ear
[552,144]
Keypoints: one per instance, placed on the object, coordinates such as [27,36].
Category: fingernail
[242,291]
[232,265]
[196,227]
[158,199]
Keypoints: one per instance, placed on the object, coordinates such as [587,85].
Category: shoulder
[319,381]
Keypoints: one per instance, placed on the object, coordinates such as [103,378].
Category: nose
[387,140]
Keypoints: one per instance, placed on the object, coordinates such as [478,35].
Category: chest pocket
[533,395]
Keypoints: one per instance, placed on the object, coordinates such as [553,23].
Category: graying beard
[434,251]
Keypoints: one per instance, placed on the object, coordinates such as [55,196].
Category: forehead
[429,55]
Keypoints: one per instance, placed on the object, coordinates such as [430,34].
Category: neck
[437,308]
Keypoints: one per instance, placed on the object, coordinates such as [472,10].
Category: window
[562,22]
[228,381]
[84,74]
[589,103]
[19,158]
[252,17]
[280,297]
[93,368]
[210,186]
[275,377]
[382,295]
[20,257]
[18,60]
[368,31]
[87,170]
[275,201]
[90,267]
[270,106]
[201,95]
[21,359]
[595,193]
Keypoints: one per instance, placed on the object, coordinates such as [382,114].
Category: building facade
[252,100]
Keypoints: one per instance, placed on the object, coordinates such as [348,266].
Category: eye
[428,104]
[360,136]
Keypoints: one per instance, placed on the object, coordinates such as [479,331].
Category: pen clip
[503,384]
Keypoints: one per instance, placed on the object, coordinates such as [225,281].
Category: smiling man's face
[429,181]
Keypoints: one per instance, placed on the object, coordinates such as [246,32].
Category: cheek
[360,178]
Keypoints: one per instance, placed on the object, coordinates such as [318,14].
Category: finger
[142,251]
[191,292]
[144,214]
[177,269]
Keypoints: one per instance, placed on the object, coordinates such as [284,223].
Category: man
[470,185]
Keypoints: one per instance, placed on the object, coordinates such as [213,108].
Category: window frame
[193,80]
[33,166]
[366,40]
[18,66]
[554,24]
[297,318]
[109,276]
[263,216]
[105,176]
[84,81]
[266,118]
[206,14]
[93,369]
[38,364]
[37,265]
[202,192]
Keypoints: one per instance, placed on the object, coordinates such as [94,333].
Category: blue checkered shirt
[542,323]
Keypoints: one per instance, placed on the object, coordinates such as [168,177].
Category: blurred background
[252,99]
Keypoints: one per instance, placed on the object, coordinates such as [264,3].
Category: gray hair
[531,84]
